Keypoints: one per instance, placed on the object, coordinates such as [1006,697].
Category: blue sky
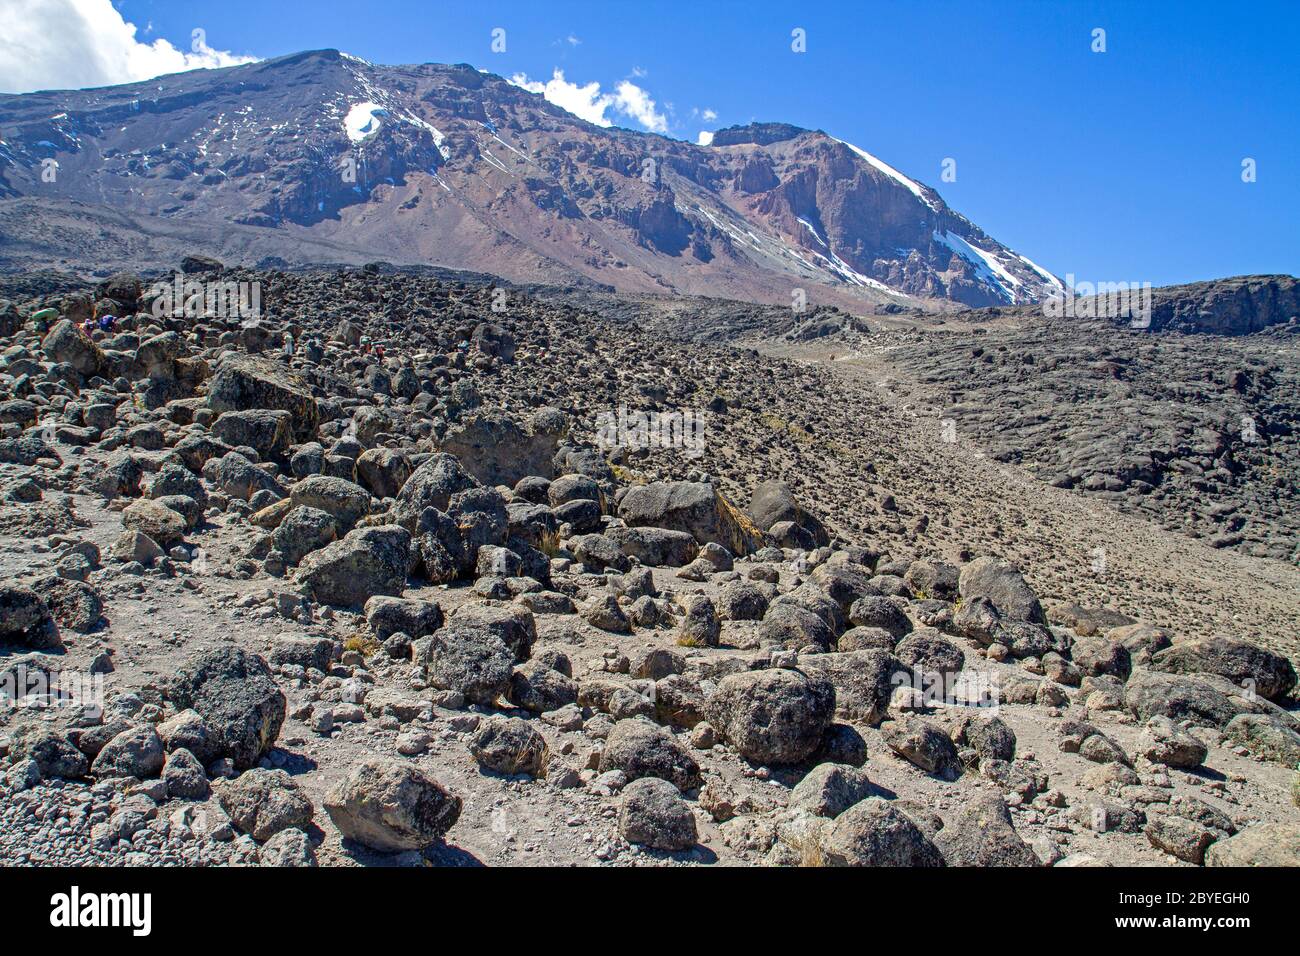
[1122,165]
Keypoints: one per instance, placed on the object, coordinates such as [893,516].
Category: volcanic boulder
[1001,583]
[235,694]
[774,502]
[772,716]
[691,506]
[365,562]
[390,806]
[1269,675]
[245,382]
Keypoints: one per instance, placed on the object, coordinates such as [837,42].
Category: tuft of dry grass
[365,644]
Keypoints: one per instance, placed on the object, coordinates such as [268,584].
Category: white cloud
[74,44]
[573,41]
[587,102]
[709,116]
[584,102]
[706,138]
[635,102]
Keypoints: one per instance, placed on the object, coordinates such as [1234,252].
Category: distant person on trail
[288,345]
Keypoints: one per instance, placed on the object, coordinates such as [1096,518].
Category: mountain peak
[759,134]
[447,165]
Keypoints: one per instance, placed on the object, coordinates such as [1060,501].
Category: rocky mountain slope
[1198,433]
[332,159]
[398,595]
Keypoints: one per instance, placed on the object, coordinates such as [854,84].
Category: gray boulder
[312,653]
[655,547]
[497,450]
[880,612]
[982,835]
[991,738]
[261,802]
[1164,742]
[244,382]
[414,618]
[53,754]
[513,625]
[864,681]
[234,693]
[874,833]
[470,660]
[184,776]
[1098,654]
[1178,697]
[1266,735]
[1183,839]
[383,471]
[25,619]
[1252,668]
[772,716]
[137,752]
[345,502]
[831,788]
[288,848]
[699,626]
[268,431]
[929,653]
[1002,584]
[188,731]
[694,507]
[366,562]
[155,520]
[302,531]
[234,475]
[66,343]
[742,601]
[431,485]
[391,806]
[539,688]
[847,584]
[640,749]
[654,814]
[790,626]
[923,744]
[1266,844]
[773,502]
[509,745]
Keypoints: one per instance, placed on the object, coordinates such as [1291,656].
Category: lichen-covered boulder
[772,716]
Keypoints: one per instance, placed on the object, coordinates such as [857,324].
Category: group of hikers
[104,323]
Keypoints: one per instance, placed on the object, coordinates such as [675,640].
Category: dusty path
[1070,546]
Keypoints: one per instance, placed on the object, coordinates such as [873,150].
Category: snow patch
[911,185]
[362,121]
[813,230]
[986,264]
[1052,282]
[846,271]
[438,138]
